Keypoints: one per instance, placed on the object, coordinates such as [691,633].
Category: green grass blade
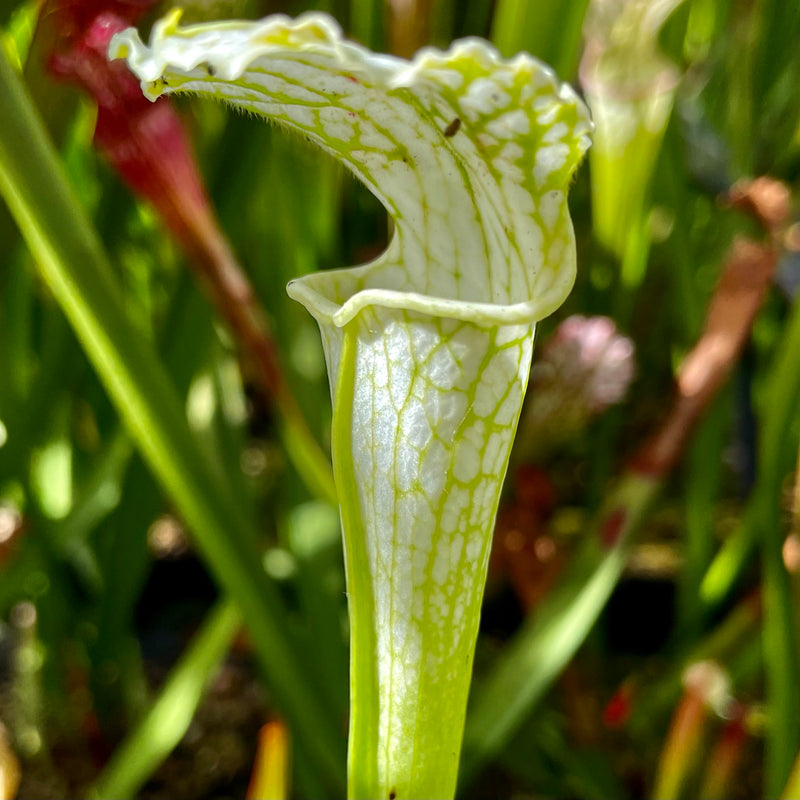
[780,409]
[536,656]
[168,719]
[781,645]
[702,490]
[793,784]
[548,29]
[71,260]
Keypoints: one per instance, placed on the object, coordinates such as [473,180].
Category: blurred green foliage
[98,464]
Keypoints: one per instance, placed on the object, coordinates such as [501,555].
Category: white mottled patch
[433,470]
[406,471]
[399,381]
[340,131]
[441,368]
[486,399]
[454,502]
[512,124]
[549,160]
[423,339]
[355,101]
[511,151]
[530,243]
[450,78]
[468,343]
[419,562]
[373,140]
[379,374]
[305,117]
[550,205]
[414,424]
[484,96]
[519,199]
[466,462]
[475,434]
[556,133]
[556,250]
[491,452]
[474,547]
[508,171]
[456,549]
[509,410]
[441,566]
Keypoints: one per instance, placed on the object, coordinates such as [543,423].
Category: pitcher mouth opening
[335,297]
[330,312]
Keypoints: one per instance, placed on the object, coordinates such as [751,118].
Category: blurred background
[639,635]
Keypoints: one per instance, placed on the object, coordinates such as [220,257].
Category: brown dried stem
[743,285]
